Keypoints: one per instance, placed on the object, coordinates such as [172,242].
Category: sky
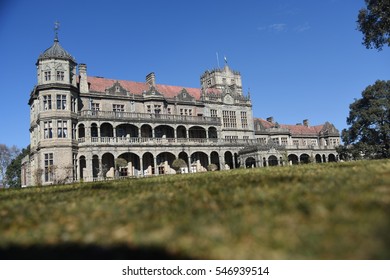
[300,59]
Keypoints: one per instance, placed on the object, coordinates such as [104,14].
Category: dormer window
[117,89]
[47,75]
[60,75]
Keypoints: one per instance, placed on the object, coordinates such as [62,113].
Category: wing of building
[93,128]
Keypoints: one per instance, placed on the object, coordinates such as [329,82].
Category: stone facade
[92,128]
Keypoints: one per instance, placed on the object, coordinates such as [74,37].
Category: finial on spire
[56,27]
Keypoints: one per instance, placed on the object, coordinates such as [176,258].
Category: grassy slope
[323,211]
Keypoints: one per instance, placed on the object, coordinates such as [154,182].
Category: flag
[225,59]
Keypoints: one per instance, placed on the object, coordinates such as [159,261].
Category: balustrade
[148,117]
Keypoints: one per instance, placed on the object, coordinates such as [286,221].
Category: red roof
[98,84]
[294,129]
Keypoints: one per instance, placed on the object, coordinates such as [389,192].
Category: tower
[53,117]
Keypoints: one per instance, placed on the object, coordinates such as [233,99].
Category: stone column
[155,165]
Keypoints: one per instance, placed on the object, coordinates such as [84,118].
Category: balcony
[147,117]
[161,142]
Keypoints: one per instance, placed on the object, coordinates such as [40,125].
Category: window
[61,102]
[229,119]
[49,167]
[118,107]
[244,120]
[47,130]
[95,107]
[73,104]
[284,140]
[296,142]
[157,109]
[231,138]
[275,141]
[60,75]
[62,129]
[314,142]
[148,109]
[245,137]
[47,75]
[169,111]
[74,131]
[262,140]
[47,102]
[209,82]
[213,113]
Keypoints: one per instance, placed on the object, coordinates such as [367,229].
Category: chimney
[270,119]
[306,122]
[151,79]
[83,78]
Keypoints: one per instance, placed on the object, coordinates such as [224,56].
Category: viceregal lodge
[85,128]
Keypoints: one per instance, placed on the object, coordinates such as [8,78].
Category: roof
[99,84]
[56,51]
[294,129]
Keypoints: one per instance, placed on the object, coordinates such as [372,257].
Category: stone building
[92,128]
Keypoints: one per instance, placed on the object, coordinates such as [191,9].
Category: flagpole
[218,60]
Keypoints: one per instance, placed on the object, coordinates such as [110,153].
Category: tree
[369,120]
[374,23]
[13,173]
[178,163]
[7,154]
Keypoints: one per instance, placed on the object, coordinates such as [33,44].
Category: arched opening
[94,130]
[212,133]
[293,159]
[81,130]
[164,131]
[236,160]
[197,132]
[82,166]
[229,159]
[108,165]
[318,158]
[304,158]
[273,161]
[250,162]
[181,132]
[106,130]
[214,158]
[95,166]
[146,131]
[184,156]
[332,158]
[199,162]
[133,164]
[126,130]
[164,163]
[148,164]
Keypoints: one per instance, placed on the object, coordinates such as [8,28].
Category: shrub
[212,167]
[178,163]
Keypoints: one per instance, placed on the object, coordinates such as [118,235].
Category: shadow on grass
[74,251]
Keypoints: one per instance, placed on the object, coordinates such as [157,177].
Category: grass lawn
[314,211]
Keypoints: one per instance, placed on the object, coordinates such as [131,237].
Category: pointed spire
[56,27]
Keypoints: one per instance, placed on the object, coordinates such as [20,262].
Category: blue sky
[301,59]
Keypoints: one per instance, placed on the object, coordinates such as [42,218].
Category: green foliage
[178,163]
[315,211]
[12,175]
[212,167]
[369,118]
[7,154]
[120,162]
[374,23]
